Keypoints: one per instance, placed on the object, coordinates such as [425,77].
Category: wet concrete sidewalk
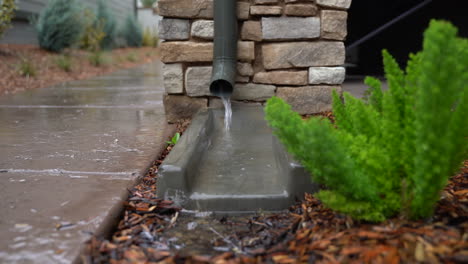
[68,153]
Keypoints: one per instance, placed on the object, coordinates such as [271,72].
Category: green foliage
[64,62]
[174,139]
[26,67]
[7,13]
[394,153]
[150,38]
[97,58]
[108,25]
[132,32]
[59,25]
[93,33]
[132,57]
[148,3]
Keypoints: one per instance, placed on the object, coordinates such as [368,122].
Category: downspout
[223,77]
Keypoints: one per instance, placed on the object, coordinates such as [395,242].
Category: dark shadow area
[403,37]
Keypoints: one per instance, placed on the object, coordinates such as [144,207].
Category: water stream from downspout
[227,112]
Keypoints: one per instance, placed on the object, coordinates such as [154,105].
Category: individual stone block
[251,30]
[281,77]
[303,54]
[253,92]
[296,1]
[266,10]
[281,28]
[215,102]
[173,78]
[261,2]
[174,29]
[197,80]
[246,50]
[245,69]
[242,79]
[203,29]
[345,4]
[243,10]
[308,99]
[186,8]
[326,75]
[305,10]
[188,51]
[180,107]
[334,24]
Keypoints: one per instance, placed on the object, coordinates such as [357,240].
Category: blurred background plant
[108,25]
[93,32]
[132,32]
[150,37]
[59,25]
[64,62]
[26,67]
[148,3]
[7,13]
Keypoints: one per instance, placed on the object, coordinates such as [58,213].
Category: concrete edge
[112,219]
[177,169]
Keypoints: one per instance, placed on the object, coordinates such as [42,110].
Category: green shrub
[93,33]
[109,24]
[7,13]
[150,37]
[59,25]
[148,3]
[97,58]
[64,62]
[26,67]
[394,153]
[132,57]
[132,32]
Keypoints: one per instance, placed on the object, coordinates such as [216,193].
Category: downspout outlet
[224,73]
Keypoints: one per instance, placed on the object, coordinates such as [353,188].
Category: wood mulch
[48,73]
[308,233]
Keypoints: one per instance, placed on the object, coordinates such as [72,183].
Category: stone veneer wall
[289,48]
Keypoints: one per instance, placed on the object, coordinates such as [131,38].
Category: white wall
[147,19]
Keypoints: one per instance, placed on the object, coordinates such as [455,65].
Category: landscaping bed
[152,228]
[18,61]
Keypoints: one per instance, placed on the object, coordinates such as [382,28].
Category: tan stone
[301,10]
[303,54]
[244,69]
[308,99]
[281,77]
[334,24]
[251,30]
[345,4]
[261,2]
[179,107]
[253,92]
[243,10]
[266,10]
[196,9]
[242,79]
[188,51]
[186,8]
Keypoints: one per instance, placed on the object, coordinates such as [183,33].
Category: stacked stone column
[289,48]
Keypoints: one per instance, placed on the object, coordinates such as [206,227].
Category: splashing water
[227,112]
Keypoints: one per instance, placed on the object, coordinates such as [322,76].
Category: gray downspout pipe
[223,77]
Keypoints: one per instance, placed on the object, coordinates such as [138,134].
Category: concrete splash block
[243,170]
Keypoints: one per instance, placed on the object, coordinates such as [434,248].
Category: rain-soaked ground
[67,155]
